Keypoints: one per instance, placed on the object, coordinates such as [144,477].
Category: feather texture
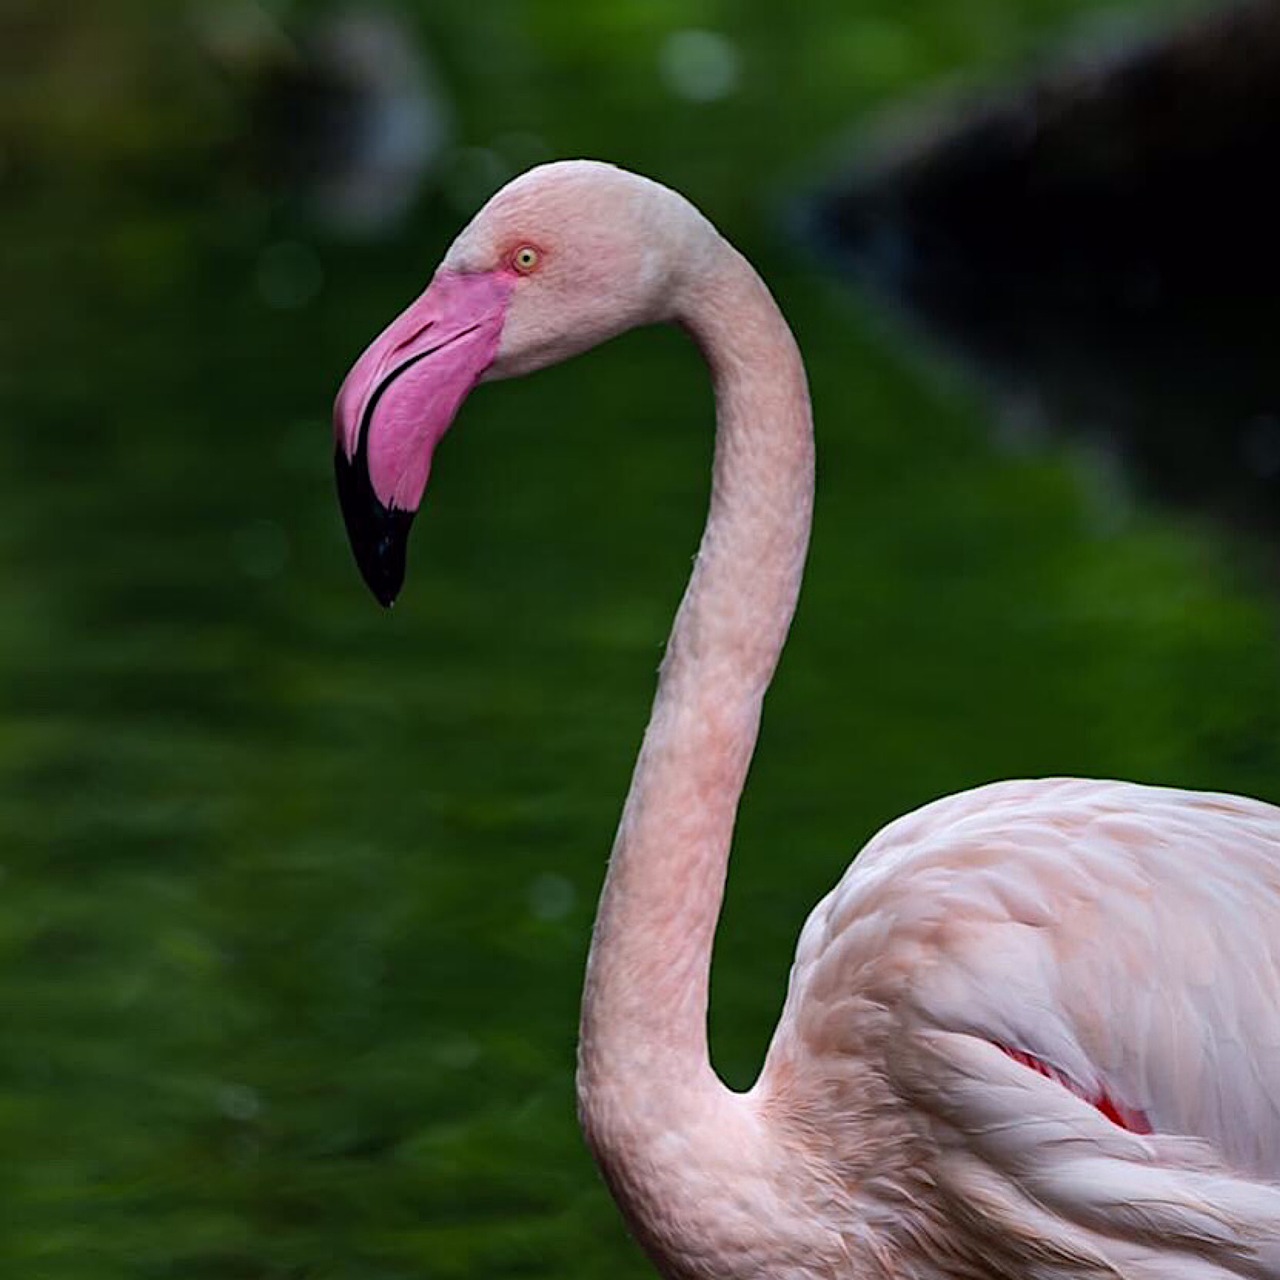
[1126,936]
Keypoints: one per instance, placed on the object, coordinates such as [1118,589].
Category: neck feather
[644,1069]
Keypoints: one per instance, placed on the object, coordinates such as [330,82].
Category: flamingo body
[1034,1031]
[1128,936]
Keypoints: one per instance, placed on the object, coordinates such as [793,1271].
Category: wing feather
[1126,936]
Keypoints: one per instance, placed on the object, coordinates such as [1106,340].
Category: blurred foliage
[297,895]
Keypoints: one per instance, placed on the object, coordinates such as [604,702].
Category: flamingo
[1034,1030]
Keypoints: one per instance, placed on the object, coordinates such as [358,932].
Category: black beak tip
[379,535]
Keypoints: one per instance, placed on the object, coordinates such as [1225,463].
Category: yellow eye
[525,259]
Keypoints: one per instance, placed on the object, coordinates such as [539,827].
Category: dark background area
[294,894]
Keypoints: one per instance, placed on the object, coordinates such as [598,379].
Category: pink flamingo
[1033,1032]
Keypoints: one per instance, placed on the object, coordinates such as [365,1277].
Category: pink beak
[395,406]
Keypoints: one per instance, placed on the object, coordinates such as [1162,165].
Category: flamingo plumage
[1033,1032]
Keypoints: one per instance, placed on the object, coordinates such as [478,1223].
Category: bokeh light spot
[702,66]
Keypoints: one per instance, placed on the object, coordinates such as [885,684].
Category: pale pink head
[567,255]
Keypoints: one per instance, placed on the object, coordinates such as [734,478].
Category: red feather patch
[1126,1117]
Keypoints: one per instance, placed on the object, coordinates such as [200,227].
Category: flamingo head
[562,258]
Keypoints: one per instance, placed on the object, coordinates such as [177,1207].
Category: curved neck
[644,1069]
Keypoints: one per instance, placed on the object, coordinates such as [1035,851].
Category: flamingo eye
[525,259]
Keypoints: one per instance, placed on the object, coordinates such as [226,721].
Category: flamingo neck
[647,1090]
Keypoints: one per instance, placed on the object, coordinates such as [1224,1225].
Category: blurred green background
[296,894]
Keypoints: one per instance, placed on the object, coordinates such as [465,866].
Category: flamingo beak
[396,405]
